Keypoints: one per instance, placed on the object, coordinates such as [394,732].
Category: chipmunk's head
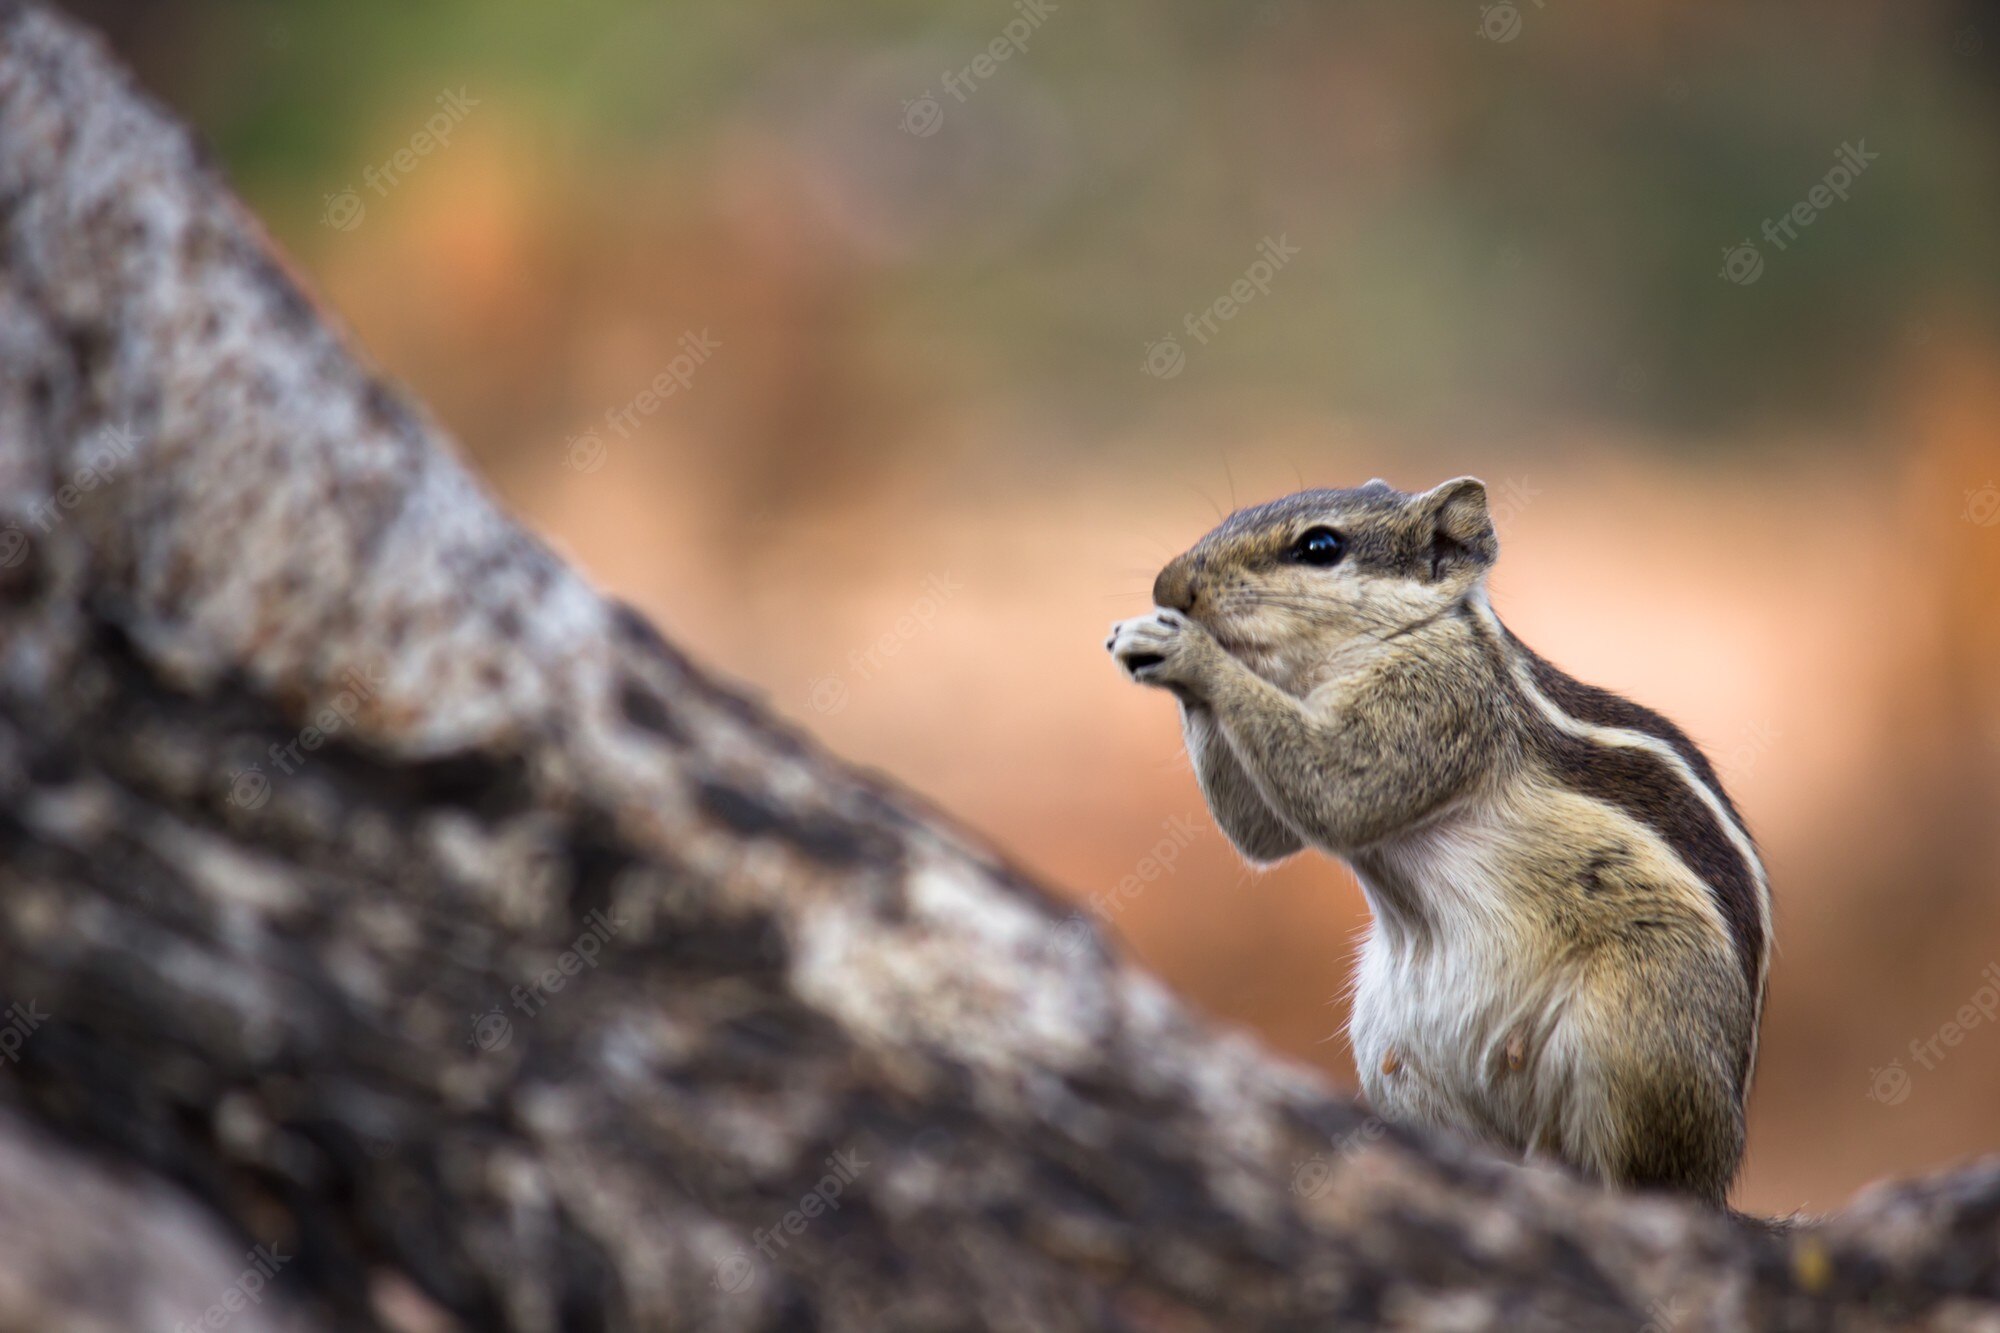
[1285,584]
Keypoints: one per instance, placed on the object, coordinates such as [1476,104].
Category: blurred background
[882,351]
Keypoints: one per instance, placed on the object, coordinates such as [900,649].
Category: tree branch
[397,902]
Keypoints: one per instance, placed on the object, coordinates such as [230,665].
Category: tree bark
[382,907]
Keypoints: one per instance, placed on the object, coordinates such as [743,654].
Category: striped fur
[1616,751]
[1571,935]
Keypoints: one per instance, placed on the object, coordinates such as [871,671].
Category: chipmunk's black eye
[1319,546]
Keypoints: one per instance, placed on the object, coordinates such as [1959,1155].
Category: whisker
[1206,499]
[1251,599]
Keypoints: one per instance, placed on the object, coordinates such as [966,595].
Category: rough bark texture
[314,767]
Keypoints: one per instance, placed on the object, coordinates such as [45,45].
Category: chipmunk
[1571,929]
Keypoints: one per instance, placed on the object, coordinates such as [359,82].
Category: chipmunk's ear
[1460,531]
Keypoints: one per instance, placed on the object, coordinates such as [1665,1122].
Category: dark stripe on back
[1647,788]
[1600,707]
[1644,787]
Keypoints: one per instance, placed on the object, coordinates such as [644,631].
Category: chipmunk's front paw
[1164,649]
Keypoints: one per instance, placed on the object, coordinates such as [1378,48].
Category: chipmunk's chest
[1456,1015]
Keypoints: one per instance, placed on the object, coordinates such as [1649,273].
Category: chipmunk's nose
[1175,587]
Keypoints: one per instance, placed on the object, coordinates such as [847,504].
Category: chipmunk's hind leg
[1656,1103]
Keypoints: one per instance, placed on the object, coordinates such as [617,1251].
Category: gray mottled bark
[374,892]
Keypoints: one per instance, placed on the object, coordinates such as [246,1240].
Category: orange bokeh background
[926,467]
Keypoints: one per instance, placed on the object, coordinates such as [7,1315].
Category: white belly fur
[1447,981]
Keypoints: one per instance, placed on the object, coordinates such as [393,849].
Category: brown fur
[1570,940]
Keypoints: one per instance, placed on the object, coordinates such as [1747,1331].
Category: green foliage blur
[1502,212]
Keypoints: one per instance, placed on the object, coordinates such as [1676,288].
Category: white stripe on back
[1663,750]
